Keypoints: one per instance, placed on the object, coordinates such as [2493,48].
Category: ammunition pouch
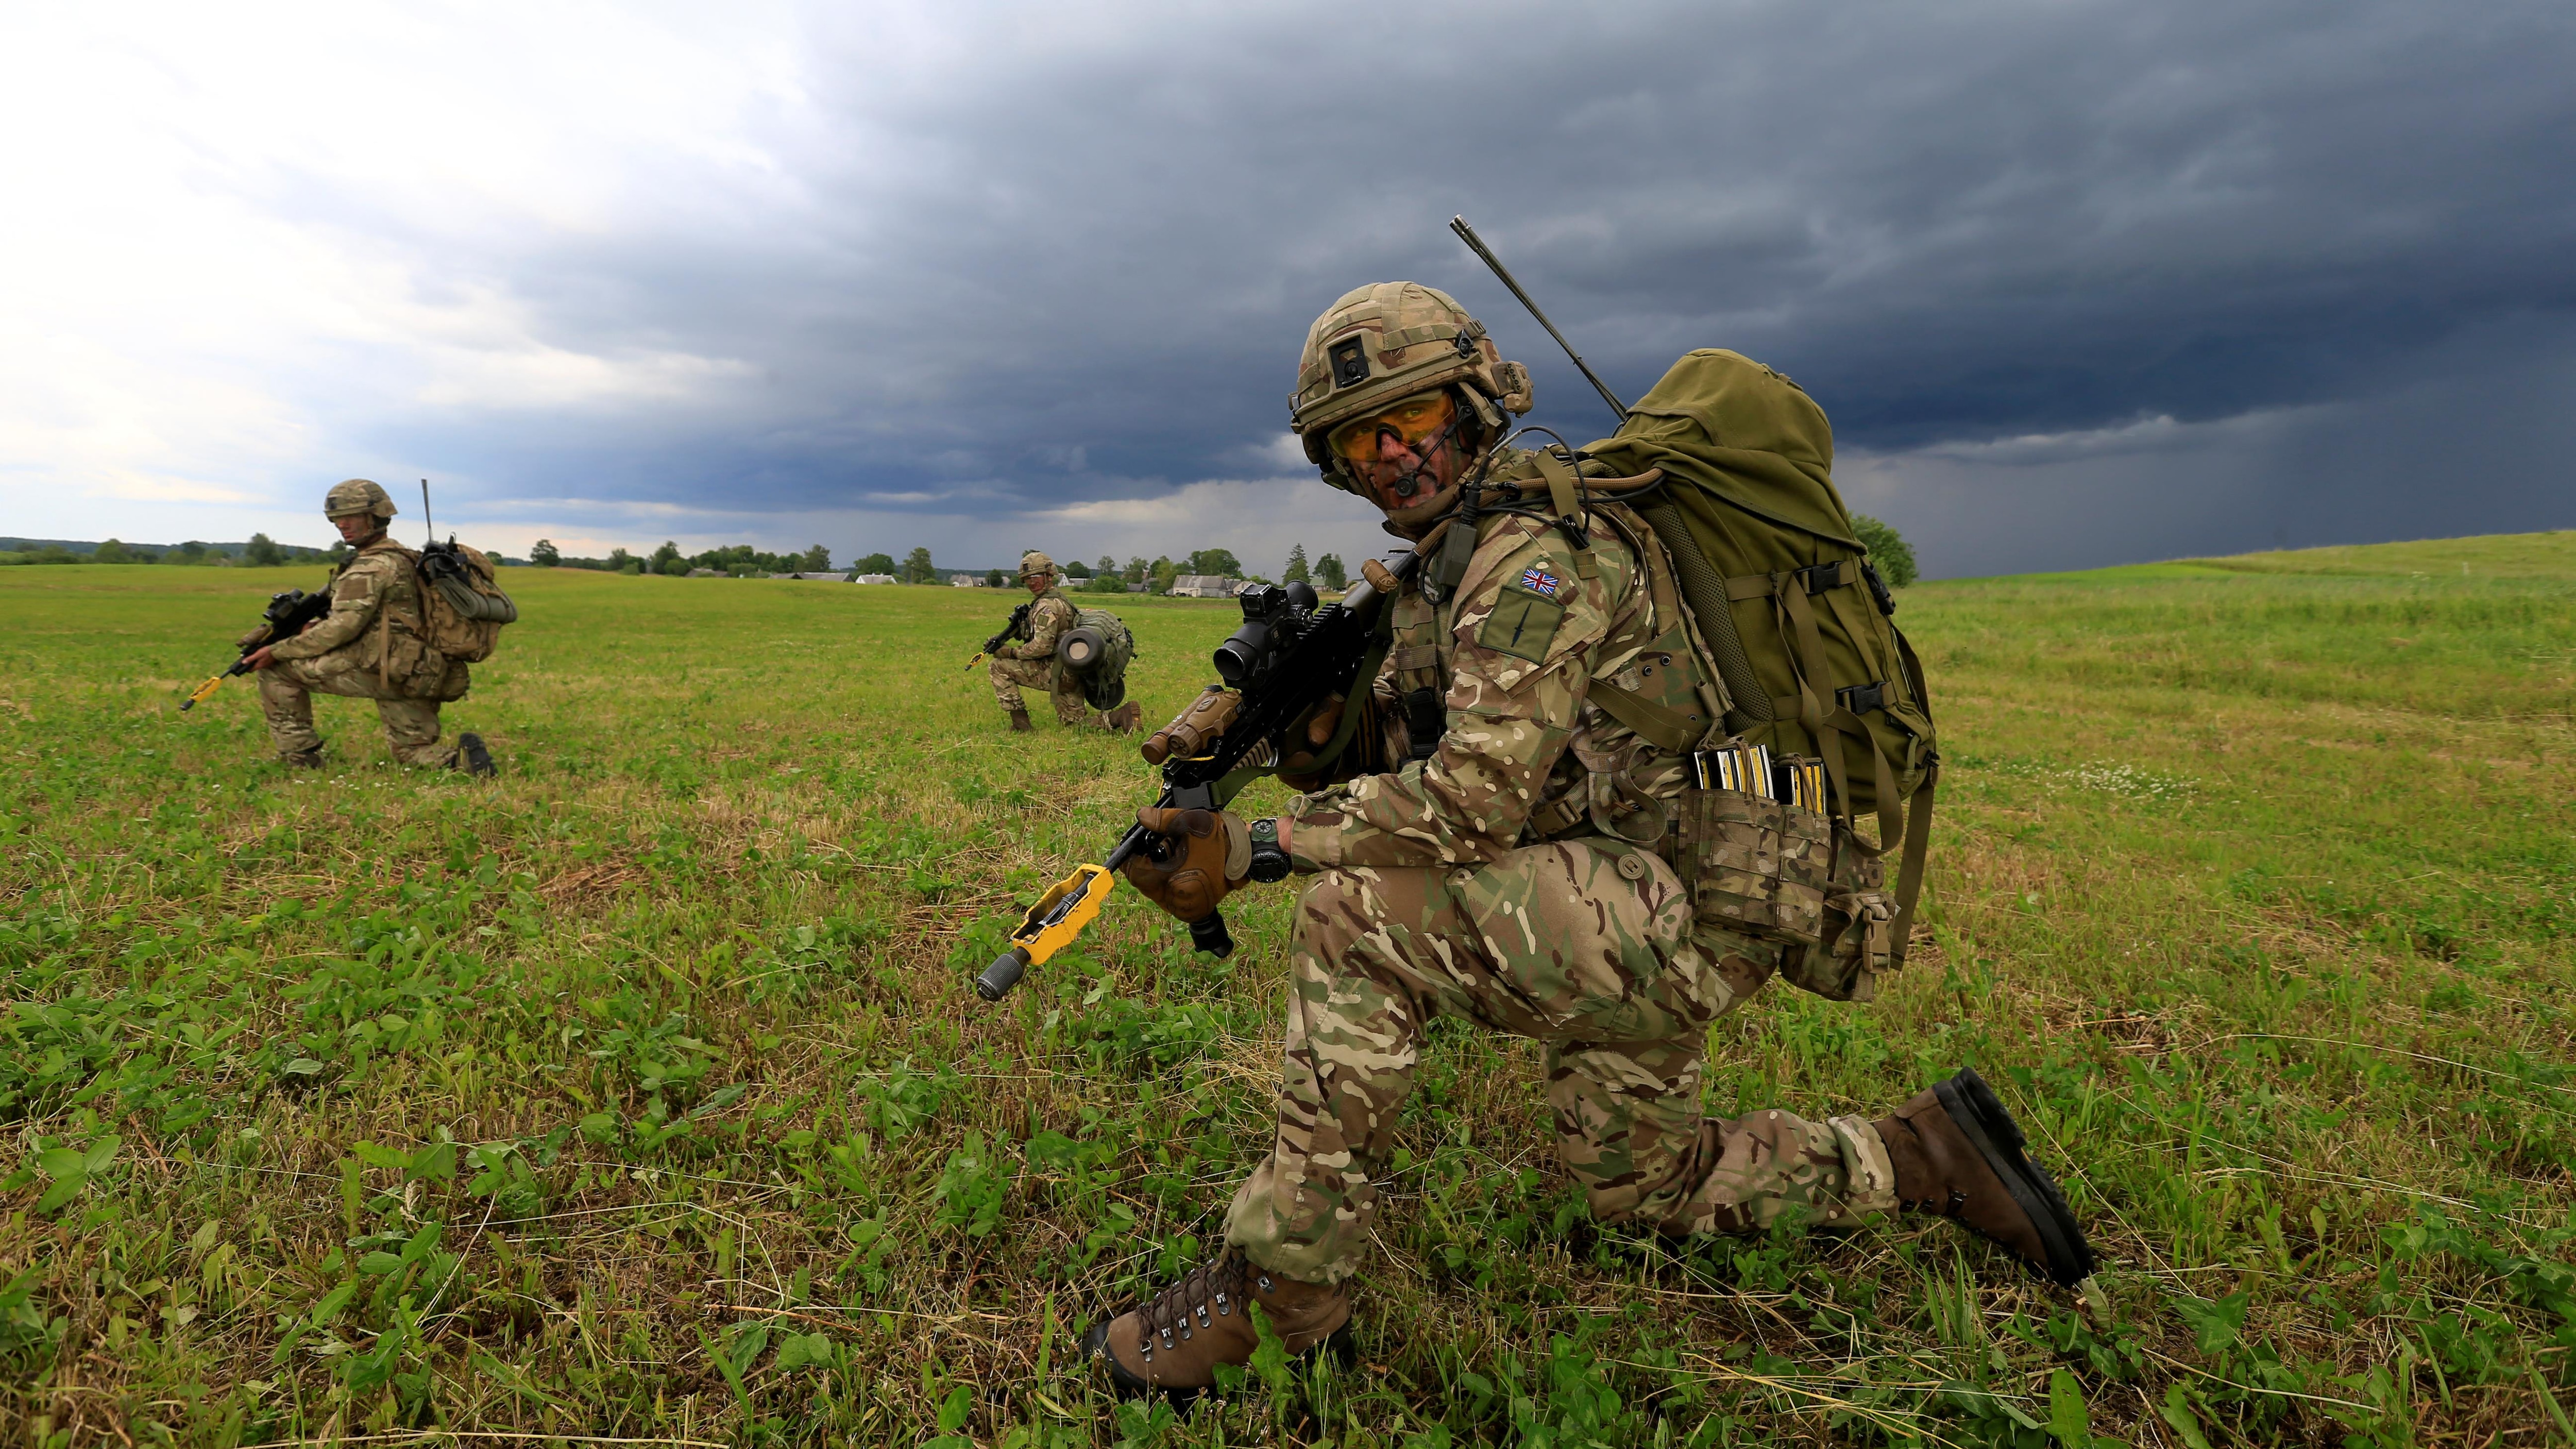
[1793,877]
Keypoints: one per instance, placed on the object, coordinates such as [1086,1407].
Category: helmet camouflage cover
[1035,562]
[1390,341]
[357,495]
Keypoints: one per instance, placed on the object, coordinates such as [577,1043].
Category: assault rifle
[1292,654]
[1009,631]
[285,616]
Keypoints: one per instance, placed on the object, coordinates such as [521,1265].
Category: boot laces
[1208,1292]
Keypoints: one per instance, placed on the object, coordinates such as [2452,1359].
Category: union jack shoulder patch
[1540,582]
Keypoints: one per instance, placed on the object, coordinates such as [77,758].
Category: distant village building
[705,574]
[1205,586]
[835,575]
[966,581]
[872,578]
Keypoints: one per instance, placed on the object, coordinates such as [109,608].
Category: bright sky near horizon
[2078,282]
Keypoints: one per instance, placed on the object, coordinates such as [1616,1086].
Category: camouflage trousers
[1009,674]
[1586,949]
[287,687]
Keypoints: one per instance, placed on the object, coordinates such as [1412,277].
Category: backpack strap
[1666,729]
[1563,496]
[1918,815]
[1828,728]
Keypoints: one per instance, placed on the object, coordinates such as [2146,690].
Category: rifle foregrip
[1005,973]
[1210,935]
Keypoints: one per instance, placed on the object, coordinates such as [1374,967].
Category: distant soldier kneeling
[1031,659]
[374,644]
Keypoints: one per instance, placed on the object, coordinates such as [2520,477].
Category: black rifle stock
[1285,660]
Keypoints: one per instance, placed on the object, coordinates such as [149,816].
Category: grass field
[639,1095]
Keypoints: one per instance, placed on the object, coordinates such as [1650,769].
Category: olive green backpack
[1096,651]
[1800,630]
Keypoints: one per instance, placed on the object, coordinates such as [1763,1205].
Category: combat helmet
[1389,341]
[1036,562]
[357,495]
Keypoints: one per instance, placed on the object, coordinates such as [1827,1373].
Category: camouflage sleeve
[1049,619]
[353,608]
[1523,636]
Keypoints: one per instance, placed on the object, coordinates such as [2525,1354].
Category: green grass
[640,1094]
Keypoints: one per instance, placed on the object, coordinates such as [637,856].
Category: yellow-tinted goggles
[1408,420]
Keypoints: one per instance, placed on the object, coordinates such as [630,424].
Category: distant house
[705,574]
[1205,586]
[835,575]
[966,581]
[872,578]
[1138,588]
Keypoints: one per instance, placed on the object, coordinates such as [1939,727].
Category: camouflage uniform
[372,645]
[1513,874]
[1032,662]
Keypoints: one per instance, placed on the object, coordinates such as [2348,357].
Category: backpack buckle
[1862,698]
[1820,577]
[1877,588]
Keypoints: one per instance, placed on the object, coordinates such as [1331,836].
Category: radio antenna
[427,522]
[1477,245]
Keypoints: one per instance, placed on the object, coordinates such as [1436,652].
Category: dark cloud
[1006,263]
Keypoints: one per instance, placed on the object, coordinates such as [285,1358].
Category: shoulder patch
[1540,582]
[1524,621]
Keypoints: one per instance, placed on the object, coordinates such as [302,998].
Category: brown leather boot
[1125,718]
[1957,1152]
[302,760]
[1172,1342]
[1020,722]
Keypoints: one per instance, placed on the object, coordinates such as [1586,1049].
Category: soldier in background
[1504,855]
[372,645]
[1031,660]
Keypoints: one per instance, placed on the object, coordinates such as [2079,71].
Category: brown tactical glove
[1206,853]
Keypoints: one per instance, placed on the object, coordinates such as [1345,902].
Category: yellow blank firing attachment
[1049,927]
[203,690]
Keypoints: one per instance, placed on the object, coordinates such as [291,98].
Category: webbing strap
[1813,579]
[1563,496]
[1909,870]
[1918,812]
[1827,729]
[1555,818]
[1668,730]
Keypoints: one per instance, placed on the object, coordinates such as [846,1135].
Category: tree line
[1893,556]
[261,552]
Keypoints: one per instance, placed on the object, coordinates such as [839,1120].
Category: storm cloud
[2077,283]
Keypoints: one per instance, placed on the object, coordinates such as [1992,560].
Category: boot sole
[1981,1117]
[1338,1345]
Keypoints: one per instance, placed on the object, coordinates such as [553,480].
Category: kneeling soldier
[1473,878]
[1031,660]
[372,645]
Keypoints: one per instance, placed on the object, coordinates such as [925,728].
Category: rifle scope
[1272,617]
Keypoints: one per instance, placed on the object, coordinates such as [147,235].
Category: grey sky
[2078,283]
